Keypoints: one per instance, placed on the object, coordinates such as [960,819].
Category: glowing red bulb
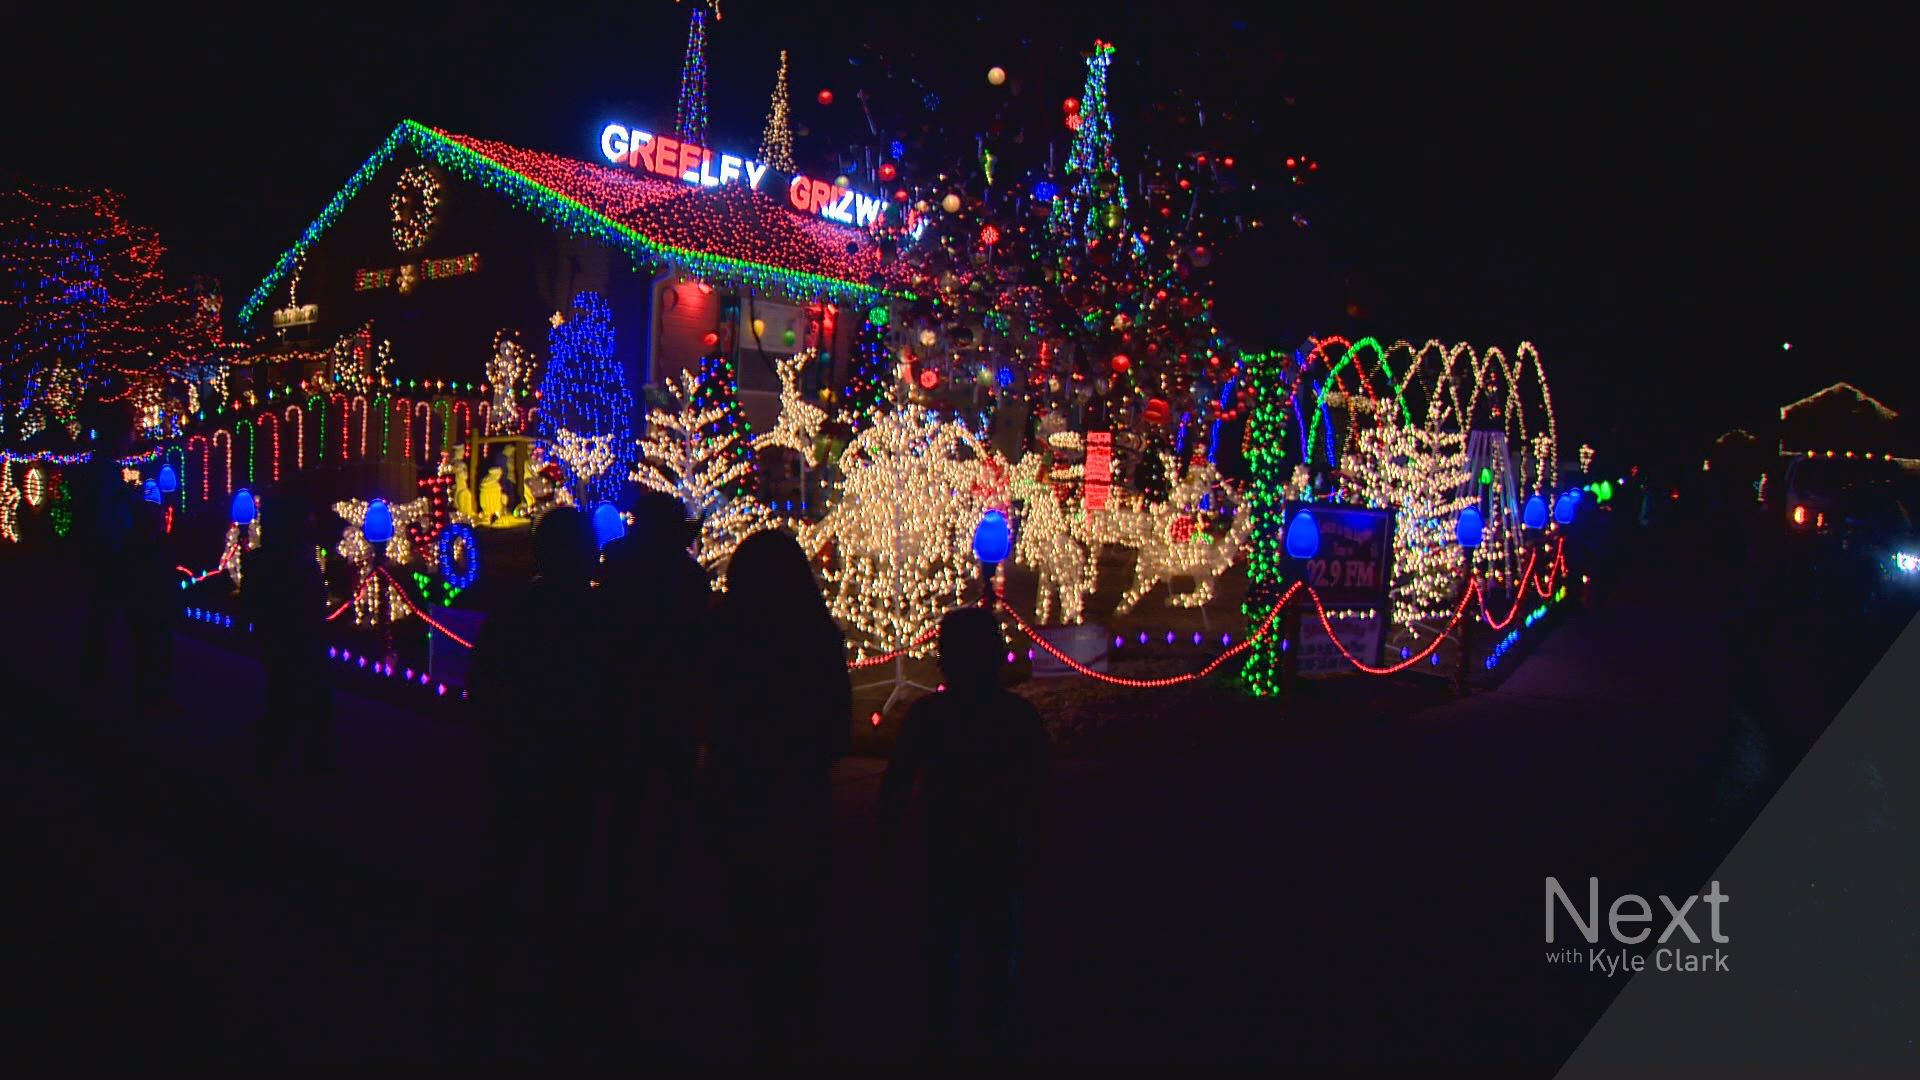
[888,171]
[989,235]
[824,97]
[1071,105]
[1121,363]
[1073,122]
[1291,163]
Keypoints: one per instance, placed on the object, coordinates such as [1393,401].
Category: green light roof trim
[530,194]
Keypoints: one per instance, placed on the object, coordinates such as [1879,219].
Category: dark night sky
[1657,204]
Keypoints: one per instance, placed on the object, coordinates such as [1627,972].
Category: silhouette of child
[980,753]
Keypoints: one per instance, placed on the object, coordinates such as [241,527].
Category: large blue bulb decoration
[1567,507]
[377,526]
[1534,515]
[244,508]
[608,525]
[1470,528]
[169,480]
[1303,536]
[150,491]
[993,538]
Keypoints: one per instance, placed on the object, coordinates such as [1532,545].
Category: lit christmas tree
[871,380]
[87,312]
[690,118]
[776,142]
[678,458]
[1095,203]
[717,390]
[1419,472]
[584,391]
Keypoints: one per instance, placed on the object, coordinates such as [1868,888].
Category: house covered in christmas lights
[442,243]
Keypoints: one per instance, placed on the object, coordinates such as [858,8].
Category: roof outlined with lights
[729,234]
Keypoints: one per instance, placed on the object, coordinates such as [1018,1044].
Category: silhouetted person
[283,595]
[781,709]
[542,699]
[121,542]
[980,752]
[657,599]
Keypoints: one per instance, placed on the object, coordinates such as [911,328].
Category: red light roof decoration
[739,237]
[731,221]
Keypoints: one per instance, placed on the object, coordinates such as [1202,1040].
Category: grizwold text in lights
[665,156]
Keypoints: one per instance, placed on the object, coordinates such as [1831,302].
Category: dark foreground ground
[1361,882]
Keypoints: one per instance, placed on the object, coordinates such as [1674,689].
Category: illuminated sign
[1098,476]
[688,163]
[404,278]
[298,315]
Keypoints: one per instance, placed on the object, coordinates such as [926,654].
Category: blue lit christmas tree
[584,392]
[690,118]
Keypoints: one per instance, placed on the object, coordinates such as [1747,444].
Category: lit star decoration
[898,533]
[676,458]
[729,234]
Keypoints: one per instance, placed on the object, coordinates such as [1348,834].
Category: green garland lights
[1265,376]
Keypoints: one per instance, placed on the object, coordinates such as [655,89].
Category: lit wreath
[416,195]
[459,555]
